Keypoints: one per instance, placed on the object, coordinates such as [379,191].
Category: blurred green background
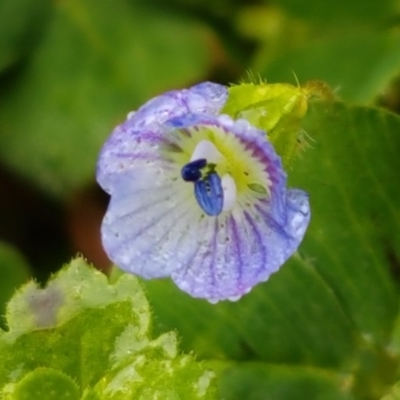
[70,70]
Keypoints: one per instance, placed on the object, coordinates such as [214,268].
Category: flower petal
[154,226]
[124,145]
[243,250]
[206,97]
[143,226]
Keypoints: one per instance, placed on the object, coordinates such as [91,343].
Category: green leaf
[277,322]
[333,305]
[83,335]
[349,172]
[22,23]
[46,383]
[260,381]
[277,109]
[14,271]
[339,12]
[394,393]
[97,62]
[357,66]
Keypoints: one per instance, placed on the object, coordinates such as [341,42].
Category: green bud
[278,109]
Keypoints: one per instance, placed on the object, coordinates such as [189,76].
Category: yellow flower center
[242,174]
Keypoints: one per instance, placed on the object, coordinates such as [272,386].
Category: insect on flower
[198,196]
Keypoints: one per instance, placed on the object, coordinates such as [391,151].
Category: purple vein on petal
[208,255]
[159,218]
[169,231]
[188,267]
[189,264]
[150,225]
[140,209]
[238,250]
[136,156]
[275,226]
[260,241]
[195,267]
[212,266]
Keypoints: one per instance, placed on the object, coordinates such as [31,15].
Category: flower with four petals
[198,196]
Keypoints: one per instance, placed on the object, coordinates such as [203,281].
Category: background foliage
[326,326]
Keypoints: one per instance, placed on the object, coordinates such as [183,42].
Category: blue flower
[198,196]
